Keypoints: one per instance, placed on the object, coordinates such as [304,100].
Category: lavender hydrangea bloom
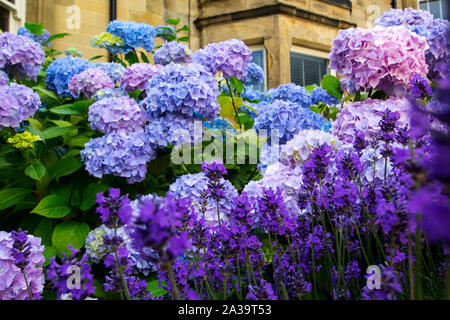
[380,58]
[255,75]
[20,56]
[12,282]
[291,93]
[89,82]
[18,103]
[42,39]
[435,32]
[172,51]
[321,95]
[61,71]
[137,76]
[112,69]
[4,79]
[97,250]
[278,176]
[117,114]
[134,35]
[174,129]
[194,187]
[296,151]
[183,89]
[123,154]
[285,119]
[365,116]
[109,93]
[231,57]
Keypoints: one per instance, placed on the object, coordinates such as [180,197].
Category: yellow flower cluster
[106,39]
[23,140]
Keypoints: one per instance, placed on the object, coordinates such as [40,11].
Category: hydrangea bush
[349,174]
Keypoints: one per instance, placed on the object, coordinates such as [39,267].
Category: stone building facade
[291,39]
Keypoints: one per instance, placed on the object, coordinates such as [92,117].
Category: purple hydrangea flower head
[195,186]
[137,76]
[365,116]
[61,71]
[4,79]
[253,95]
[112,69]
[296,151]
[18,103]
[230,57]
[172,51]
[291,93]
[380,58]
[20,251]
[115,114]
[42,39]
[20,56]
[278,176]
[255,75]
[285,119]
[321,95]
[122,154]
[187,90]
[59,274]
[435,31]
[134,35]
[89,82]
[174,129]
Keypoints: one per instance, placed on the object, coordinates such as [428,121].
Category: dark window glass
[307,70]
[258,58]
[4,19]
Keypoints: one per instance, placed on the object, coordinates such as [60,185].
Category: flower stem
[234,106]
[175,290]
[122,277]
[30,294]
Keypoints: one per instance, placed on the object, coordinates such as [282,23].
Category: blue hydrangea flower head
[255,75]
[134,35]
[183,89]
[61,71]
[42,39]
[285,119]
[122,154]
[172,51]
[321,95]
[291,93]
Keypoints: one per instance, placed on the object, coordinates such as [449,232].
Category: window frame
[264,51]
[315,54]
[17,14]
[427,2]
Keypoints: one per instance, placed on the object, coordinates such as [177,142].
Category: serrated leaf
[56,36]
[35,123]
[46,92]
[90,195]
[12,196]
[69,232]
[237,84]
[95,58]
[310,88]
[66,109]
[64,168]
[49,252]
[55,132]
[332,85]
[35,28]
[79,141]
[35,170]
[44,230]
[52,206]
[173,21]
[184,39]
